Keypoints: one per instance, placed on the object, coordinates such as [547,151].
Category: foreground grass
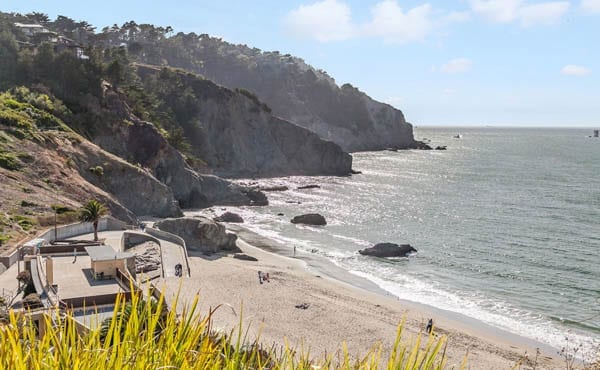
[143,335]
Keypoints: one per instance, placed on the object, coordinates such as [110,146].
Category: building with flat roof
[105,261]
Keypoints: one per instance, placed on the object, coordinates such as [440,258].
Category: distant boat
[458,136]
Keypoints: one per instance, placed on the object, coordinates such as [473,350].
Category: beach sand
[337,311]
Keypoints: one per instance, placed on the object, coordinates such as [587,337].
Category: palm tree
[91,212]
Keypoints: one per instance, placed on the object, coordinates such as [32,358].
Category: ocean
[506,223]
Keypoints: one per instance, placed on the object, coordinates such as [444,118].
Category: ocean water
[506,223]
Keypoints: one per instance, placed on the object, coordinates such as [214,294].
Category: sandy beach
[337,311]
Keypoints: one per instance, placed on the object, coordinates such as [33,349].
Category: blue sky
[453,62]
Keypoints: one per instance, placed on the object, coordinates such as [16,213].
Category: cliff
[236,135]
[294,90]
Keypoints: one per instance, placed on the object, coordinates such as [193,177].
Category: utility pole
[55,212]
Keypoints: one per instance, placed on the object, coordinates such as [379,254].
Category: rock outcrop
[237,135]
[140,142]
[309,219]
[229,217]
[388,250]
[201,234]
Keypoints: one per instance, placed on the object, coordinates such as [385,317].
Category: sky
[451,62]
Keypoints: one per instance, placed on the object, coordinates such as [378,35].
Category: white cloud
[574,70]
[543,13]
[327,20]
[506,11]
[591,6]
[396,26]
[499,11]
[455,17]
[459,65]
[331,20]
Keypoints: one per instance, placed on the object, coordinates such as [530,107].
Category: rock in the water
[274,188]
[280,214]
[440,147]
[312,186]
[423,146]
[257,198]
[200,234]
[309,219]
[229,217]
[244,257]
[355,172]
[388,250]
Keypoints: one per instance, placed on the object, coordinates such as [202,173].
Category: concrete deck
[172,253]
[75,278]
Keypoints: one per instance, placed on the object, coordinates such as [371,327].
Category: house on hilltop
[31,29]
[37,34]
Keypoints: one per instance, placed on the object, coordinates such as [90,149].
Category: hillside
[81,123]
[46,166]
[294,90]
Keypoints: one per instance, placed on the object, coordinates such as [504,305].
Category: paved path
[172,255]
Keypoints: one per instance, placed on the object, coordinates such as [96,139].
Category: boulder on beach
[229,217]
[200,234]
[274,188]
[244,257]
[388,250]
[311,186]
[309,219]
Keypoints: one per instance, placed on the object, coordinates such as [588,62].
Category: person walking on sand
[260,277]
[294,251]
[429,326]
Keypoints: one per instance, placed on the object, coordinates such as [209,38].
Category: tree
[38,17]
[91,212]
[8,60]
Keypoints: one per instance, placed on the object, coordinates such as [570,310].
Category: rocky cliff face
[64,168]
[140,142]
[294,91]
[238,136]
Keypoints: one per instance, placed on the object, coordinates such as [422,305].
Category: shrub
[16,119]
[9,161]
[60,209]
[25,203]
[4,238]
[97,170]
[25,222]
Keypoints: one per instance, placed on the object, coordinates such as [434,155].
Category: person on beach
[260,277]
[429,326]
[294,251]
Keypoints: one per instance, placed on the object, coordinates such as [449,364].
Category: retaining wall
[132,238]
[65,232]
